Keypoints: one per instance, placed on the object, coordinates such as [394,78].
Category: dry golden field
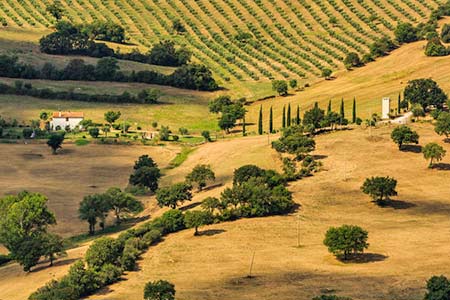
[408,241]
[75,172]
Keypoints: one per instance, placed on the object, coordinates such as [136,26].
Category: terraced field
[283,38]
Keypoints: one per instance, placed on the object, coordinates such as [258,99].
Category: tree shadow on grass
[412,148]
[189,206]
[213,186]
[441,167]
[396,204]
[57,263]
[362,258]
[210,232]
[318,156]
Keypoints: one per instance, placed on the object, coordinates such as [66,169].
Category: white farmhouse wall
[386,108]
[64,122]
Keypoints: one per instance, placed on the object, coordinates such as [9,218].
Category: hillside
[238,39]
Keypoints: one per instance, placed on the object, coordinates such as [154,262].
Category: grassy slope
[407,241]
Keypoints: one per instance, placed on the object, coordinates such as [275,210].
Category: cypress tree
[297,118]
[354,111]
[342,109]
[398,103]
[260,120]
[289,115]
[329,107]
[316,104]
[283,124]
[271,120]
[243,126]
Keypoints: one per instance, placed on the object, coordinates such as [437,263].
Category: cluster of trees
[426,93]
[432,151]
[196,77]
[24,222]
[230,111]
[146,96]
[164,53]
[256,192]
[79,39]
[96,207]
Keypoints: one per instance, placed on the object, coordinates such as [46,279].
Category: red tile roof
[68,114]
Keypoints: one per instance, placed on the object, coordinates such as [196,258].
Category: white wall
[63,122]
[386,108]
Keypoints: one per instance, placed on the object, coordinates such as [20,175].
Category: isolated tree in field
[345,240]
[55,141]
[352,60]
[159,290]
[260,121]
[433,152]
[404,135]
[399,104]
[425,92]
[53,246]
[326,73]
[438,288]
[200,175]
[147,177]
[442,126]
[112,116]
[93,208]
[174,195]
[122,203]
[197,218]
[206,135]
[24,220]
[280,86]
[283,121]
[380,188]
[56,10]
[297,116]
[406,33]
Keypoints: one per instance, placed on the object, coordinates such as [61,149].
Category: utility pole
[251,266]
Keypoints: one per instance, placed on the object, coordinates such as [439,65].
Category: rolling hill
[238,39]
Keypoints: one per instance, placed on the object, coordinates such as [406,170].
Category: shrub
[102,251]
[159,290]
[109,274]
[152,237]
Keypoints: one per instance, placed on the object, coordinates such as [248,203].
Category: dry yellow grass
[408,242]
[69,176]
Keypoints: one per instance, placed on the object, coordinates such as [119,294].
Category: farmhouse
[62,120]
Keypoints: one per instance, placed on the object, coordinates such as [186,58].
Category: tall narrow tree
[297,118]
[399,100]
[288,121]
[354,111]
[329,107]
[243,126]
[316,104]
[342,112]
[260,120]
[271,120]
[283,124]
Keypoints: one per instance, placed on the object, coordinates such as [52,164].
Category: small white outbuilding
[63,119]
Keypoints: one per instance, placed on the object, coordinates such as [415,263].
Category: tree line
[145,96]
[78,39]
[192,76]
